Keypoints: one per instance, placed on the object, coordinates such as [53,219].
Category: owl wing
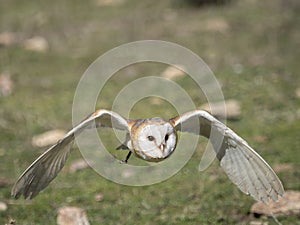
[46,167]
[244,167]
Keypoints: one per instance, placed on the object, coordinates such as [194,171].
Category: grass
[260,38]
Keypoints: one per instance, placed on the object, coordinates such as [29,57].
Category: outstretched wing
[244,167]
[46,167]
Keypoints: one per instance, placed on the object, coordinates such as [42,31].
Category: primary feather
[45,168]
[244,167]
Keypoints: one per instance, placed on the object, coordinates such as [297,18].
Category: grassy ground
[252,47]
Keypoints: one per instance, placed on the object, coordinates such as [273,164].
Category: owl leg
[122,147]
[127,157]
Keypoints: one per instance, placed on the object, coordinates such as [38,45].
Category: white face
[155,141]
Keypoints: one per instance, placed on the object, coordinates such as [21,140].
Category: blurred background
[252,47]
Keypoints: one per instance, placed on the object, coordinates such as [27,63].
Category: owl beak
[162,147]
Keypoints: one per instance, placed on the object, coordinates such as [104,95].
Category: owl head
[154,139]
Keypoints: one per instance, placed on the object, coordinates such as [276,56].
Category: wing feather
[244,167]
[46,167]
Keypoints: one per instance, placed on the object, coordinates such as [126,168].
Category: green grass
[262,38]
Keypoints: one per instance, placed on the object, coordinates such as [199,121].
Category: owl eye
[166,137]
[150,138]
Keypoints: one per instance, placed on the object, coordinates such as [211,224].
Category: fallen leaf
[287,205]
[47,138]
[72,216]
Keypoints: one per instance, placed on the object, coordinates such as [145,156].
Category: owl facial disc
[156,140]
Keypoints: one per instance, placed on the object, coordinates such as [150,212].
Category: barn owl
[154,140]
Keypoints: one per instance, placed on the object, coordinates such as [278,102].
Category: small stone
[258,223]
[109,2]
[238,68]
[37,44]
[2,152]
[4,182]
[7,38]
[283,167]
[257,60]
[78,165]
[287,205]
[47,138]
[170,15]
[126,173]
[232,109]
[156,101]
[3,206]
[297,92]
[173,72]
[72,216]
[216,25]
[99,197]
[11,222]
[260,138]
[6,84]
